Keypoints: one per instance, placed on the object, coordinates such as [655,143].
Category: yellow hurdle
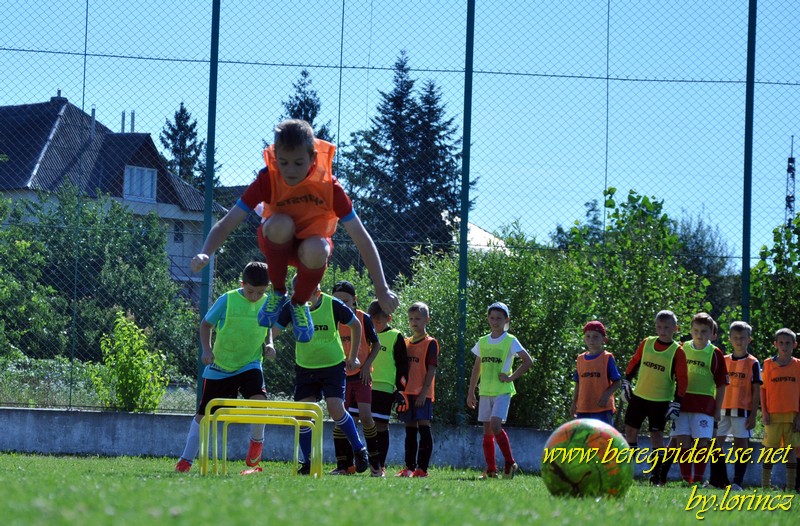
[278,412]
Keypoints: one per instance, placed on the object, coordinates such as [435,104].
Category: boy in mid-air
[233,365]
[302,203]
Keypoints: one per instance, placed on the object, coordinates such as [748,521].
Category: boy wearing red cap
[596,377]
[494,360]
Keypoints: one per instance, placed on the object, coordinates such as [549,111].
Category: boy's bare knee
[279,228]
[314,252]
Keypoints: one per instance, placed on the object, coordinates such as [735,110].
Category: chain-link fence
[598,132]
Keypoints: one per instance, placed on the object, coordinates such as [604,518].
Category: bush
[132,377]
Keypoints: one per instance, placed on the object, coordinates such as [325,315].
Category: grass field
[90,490]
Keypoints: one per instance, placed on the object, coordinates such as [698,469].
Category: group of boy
[704,394]
[301,203]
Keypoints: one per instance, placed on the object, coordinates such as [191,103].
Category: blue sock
[305,444]
[192,442]
[348,425]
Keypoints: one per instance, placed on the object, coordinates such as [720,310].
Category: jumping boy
[389,373]
[596,377]
[701,406]
[494,361]
[659,367]
[302,204]
[358,390]
[423,355]
[233,365]
[780,405]
[321,370]
[739,407]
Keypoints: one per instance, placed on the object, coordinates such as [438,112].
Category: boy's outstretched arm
[217,235]
[366,248]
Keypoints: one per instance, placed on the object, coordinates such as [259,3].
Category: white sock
[192,442]
[257,432]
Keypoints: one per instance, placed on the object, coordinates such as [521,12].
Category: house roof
[45,145]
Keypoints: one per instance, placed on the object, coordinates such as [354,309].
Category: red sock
[307,281]
[699,471]
[488,452]
[505,446]
[686,469]
[277,256]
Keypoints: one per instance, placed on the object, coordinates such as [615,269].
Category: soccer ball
[587,458]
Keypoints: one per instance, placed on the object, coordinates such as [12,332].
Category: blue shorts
[415,413]
[328,382]
[604,416]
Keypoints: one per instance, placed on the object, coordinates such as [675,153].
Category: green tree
[305,104]
[403,173]
[186,154]
[100,258]
[34,319]
[775,285]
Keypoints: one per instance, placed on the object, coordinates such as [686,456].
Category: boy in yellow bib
[494,361]
[233,365]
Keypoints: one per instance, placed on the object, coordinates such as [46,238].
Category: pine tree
[305,104]
[186,155]
[403,174]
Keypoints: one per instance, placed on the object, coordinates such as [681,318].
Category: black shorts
[382,403]
[639,409]
[249,383]
[327,382]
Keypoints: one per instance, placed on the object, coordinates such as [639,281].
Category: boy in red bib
[301,203]
[596,377]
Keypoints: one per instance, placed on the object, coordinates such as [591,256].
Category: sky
[567,100]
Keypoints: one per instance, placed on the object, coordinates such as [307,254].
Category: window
[177,232]
[140,183]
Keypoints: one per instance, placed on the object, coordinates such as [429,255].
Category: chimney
[58,97]
[133,121]
[123,122]
[91,131]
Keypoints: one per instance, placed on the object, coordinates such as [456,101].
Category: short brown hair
[255,274]
[667,315]
[741,326]
[704,318]
[374,309]
[293,133]
[788,332]
[420,307]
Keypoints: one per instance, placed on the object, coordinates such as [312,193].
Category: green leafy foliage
[132,377]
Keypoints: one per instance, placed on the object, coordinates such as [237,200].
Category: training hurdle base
[274,412]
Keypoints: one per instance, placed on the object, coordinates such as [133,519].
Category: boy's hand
[401,401]
[627,391]
[388,301]
[471,402]
[208,357]
[366,375]
[503,377]
[574,410]
[765,418]
[198,262]
[602,401]
[269,351]
[750,423]
[353,364]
